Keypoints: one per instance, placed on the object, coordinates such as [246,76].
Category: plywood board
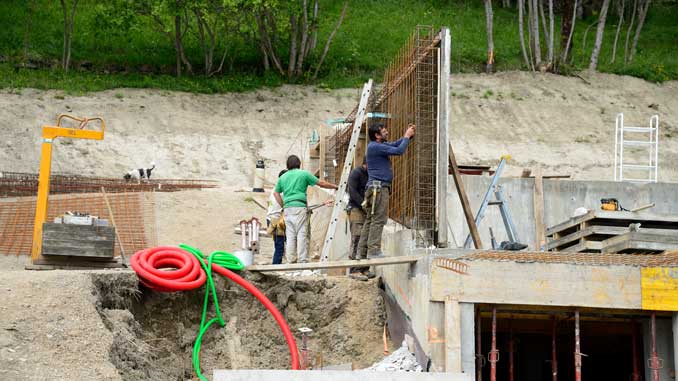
[336,264]
[660,288]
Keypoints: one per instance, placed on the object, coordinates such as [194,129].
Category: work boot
[358,276]
[368,273]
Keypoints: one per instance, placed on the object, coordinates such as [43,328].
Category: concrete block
[333,375]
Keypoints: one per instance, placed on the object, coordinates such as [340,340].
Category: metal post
[554,353]
[494,353]
[511,378]
[577,352]
[634,350]
[479,351]
[654,358]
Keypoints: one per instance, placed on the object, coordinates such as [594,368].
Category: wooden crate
[85,241]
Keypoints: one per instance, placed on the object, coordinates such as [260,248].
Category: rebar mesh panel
[134,217]
[16,184]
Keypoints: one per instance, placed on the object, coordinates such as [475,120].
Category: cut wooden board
[641,241]
[337,264]
[609,231]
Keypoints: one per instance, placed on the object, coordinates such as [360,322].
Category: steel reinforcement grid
[409,94]
[134,215]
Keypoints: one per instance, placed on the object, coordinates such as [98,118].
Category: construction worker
[380,177]
[293,185]
[357,184]
[276,226]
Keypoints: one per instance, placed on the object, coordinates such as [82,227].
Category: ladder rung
[637,143]
[639,166]
[638,129]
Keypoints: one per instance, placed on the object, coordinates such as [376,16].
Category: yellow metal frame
[49,133]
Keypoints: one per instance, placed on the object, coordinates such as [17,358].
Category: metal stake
[634,349]
[479,351]
[654,358]
[577,351]
[510,351]
[554,356]
[494,353]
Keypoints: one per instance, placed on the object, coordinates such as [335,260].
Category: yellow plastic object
[49,133]
[608,206]
[659,288]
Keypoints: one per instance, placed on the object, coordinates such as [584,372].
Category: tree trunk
[521,34]
[534,11]
[69,19]
[641,20]
[314,27]
[506,3]
[303,48]
[261,19]
[177,43]
[540,3]
[620,22]
[628,31]
[329,39]
[551,33]
[490,38]
[293,46]
[568,43]
[593,65]
[31,7]
[566,24]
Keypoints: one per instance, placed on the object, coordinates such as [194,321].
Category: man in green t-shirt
[293,185]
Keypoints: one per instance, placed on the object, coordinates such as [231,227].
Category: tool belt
[376,187]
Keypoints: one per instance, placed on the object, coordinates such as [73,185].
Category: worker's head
[377,132]
[282,173]
[293,162]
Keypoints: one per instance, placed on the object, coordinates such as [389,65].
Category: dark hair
[282,173]
[293,162]
[374,130]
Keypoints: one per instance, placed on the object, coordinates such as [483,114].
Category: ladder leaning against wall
[634,144]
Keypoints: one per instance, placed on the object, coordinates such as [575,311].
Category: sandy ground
[49,326]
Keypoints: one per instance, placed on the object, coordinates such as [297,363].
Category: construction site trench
[154,333]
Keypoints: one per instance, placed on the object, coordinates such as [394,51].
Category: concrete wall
[333,375]
[561,198]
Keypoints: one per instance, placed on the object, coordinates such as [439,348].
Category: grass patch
[117,56]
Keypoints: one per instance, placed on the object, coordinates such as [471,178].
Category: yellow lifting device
[49,133]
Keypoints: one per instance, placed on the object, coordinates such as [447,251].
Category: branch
[329,39]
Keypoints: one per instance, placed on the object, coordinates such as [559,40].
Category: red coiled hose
[186,273]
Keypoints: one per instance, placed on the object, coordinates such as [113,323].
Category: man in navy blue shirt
[380,177]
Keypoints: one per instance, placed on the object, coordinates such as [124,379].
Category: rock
[402,360]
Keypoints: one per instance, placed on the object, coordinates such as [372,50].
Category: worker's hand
[328,202]
[411,130]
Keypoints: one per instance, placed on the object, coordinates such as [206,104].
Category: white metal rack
[643,139]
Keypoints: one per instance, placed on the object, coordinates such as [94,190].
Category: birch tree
[521,33]
[620,22]
[490,38]
[567,28]
[642,12]
[593,64]
[69,18]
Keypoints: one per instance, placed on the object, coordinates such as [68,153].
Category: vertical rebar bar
[654,359]
[479,351]
[634,350]
[511,349]
[494,352]
[577,347]
[554,353]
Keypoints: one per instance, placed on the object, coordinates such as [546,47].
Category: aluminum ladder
[648,141]
[500,202]
[340,195]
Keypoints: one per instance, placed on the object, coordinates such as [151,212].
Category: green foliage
[118,43]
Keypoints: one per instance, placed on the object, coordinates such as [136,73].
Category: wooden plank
[545,284]
[659,288]
[442,126]
[336,264]
[452,336]
[572,222]
[465,205]
[644,216]
[538,201]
